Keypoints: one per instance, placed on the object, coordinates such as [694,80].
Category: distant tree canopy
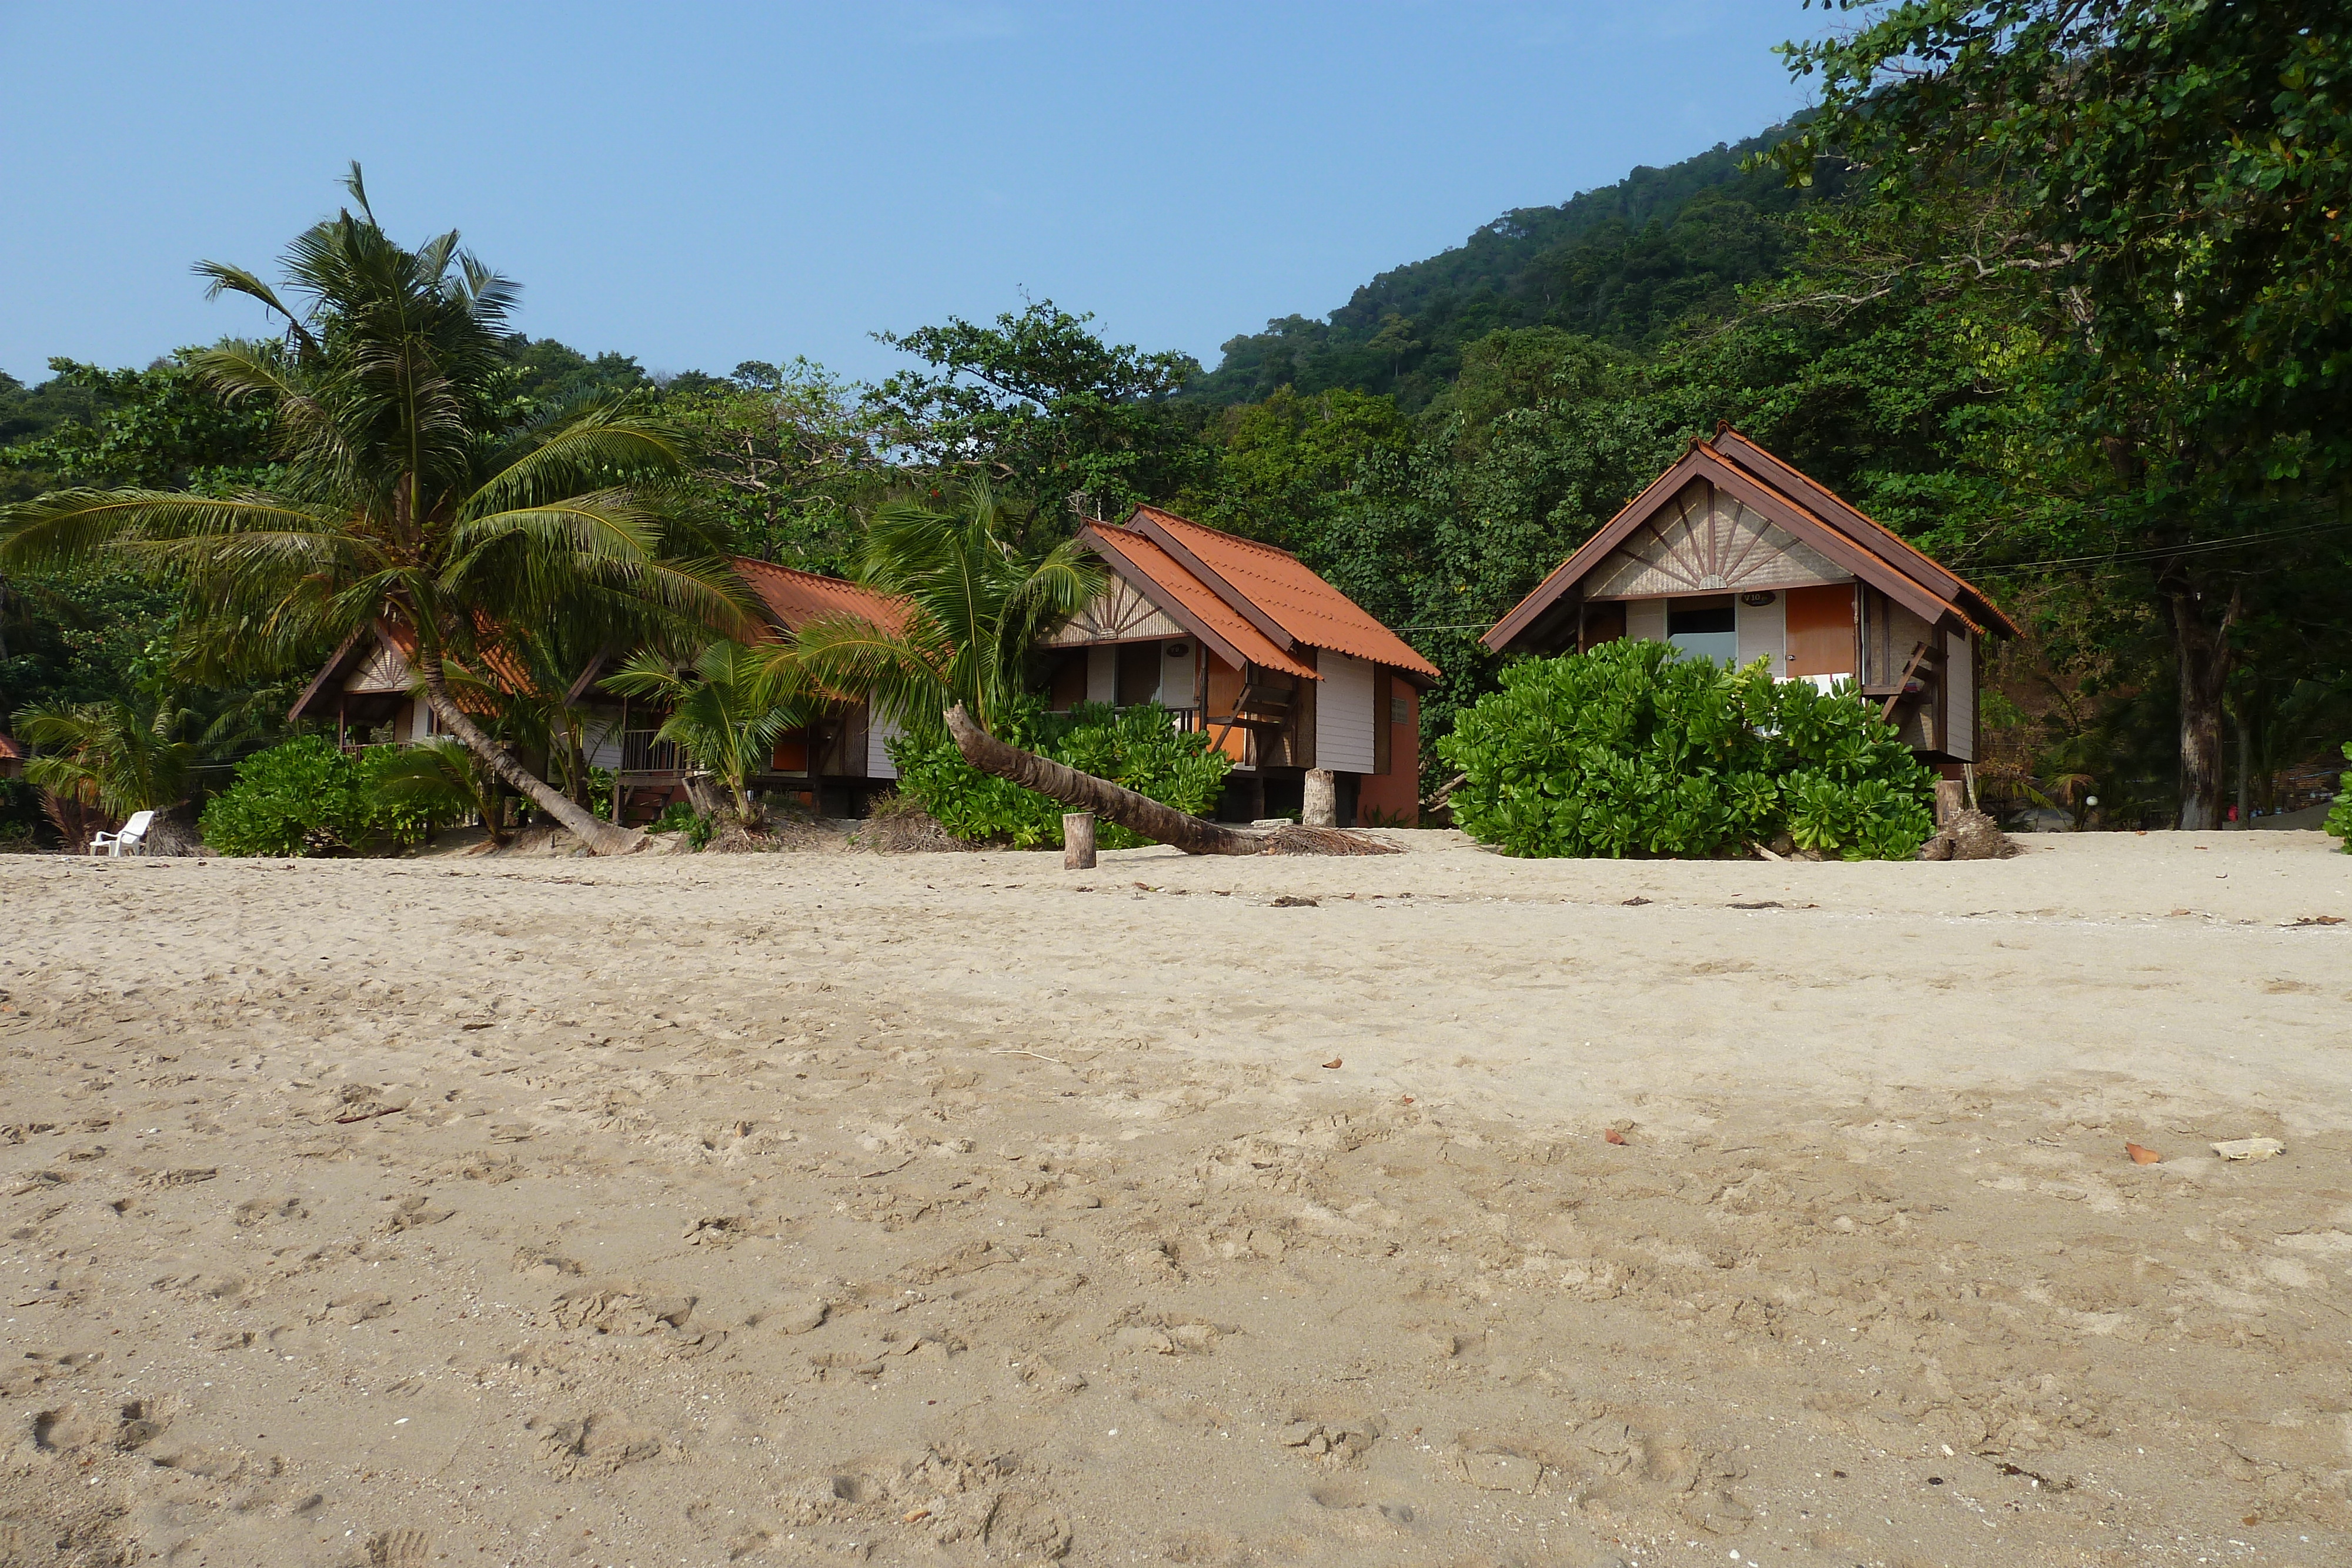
[1040,407]
[1625,264]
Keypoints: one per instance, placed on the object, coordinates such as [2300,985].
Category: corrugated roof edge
[1400,655]
[1127,545]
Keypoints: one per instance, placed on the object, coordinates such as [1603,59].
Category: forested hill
[1621,264]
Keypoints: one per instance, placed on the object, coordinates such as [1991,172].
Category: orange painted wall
[1397,792]
[1225,685]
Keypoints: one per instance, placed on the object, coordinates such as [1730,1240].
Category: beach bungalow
[833,766]
[1732,554]
[1238,639]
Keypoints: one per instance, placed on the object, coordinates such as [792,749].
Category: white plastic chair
[133,836]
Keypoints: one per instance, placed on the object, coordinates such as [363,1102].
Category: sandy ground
[956,1209]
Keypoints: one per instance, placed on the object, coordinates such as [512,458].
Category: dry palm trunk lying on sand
[1139,813]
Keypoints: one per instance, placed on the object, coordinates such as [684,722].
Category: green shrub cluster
[1136,748]
[2339,816]
[1630,751]
[678,816]
[309,798]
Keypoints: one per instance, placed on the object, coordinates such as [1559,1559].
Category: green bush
[308,798]
[1136,748]
[2339,816]
[678,816]
[1628,750]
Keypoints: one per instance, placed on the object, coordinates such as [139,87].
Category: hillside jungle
[2119,403]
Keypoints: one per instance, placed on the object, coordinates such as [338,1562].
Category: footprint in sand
[404,1548]
[596,1444]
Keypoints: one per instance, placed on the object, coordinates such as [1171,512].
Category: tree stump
[1077,841]
[1320,807]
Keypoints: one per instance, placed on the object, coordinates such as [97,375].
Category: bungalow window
[1705,628]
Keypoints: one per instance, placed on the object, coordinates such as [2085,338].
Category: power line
[2158,553]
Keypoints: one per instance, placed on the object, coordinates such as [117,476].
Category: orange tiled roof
[10,751]
[793,599]
[1188,600]
[1266,585]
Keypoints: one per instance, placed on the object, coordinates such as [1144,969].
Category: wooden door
[1820,630]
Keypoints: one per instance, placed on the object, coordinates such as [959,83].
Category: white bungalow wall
[1343,714]
[879,734]
[1960,702]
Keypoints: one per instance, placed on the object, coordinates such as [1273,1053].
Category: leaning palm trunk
[600,837]
[1140,814]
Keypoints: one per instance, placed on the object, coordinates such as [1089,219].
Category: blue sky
[698,185]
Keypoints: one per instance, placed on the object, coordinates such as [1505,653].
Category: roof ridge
[1243,539]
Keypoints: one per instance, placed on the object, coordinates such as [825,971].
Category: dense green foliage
[307,796]
[2157,187]
[1136,748]
[1630,751]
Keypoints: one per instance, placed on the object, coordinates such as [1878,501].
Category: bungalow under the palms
[1239,639]
[1244,642]
[367,690]
[1732,554]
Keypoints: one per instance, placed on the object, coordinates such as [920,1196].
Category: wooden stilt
[1320,804]
[1077,841]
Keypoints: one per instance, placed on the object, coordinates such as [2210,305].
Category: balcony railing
[641,753]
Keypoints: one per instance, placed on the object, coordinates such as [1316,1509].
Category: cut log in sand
[1140,814]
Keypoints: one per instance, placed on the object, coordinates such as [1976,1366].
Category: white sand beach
[954,1208]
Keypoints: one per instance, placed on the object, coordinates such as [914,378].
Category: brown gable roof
[506,675]
[1805,510]
[1865,530]
[793,599]
[1276,593]
[1187,600]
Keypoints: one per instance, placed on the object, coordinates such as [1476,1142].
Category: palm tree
[442,780]
[414,500]
[107,758]
[726,714]
[976,607]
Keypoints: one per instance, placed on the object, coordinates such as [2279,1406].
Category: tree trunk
[1140,814]
[2245,772]
[1319,801]
[602,838]
[2201,648]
